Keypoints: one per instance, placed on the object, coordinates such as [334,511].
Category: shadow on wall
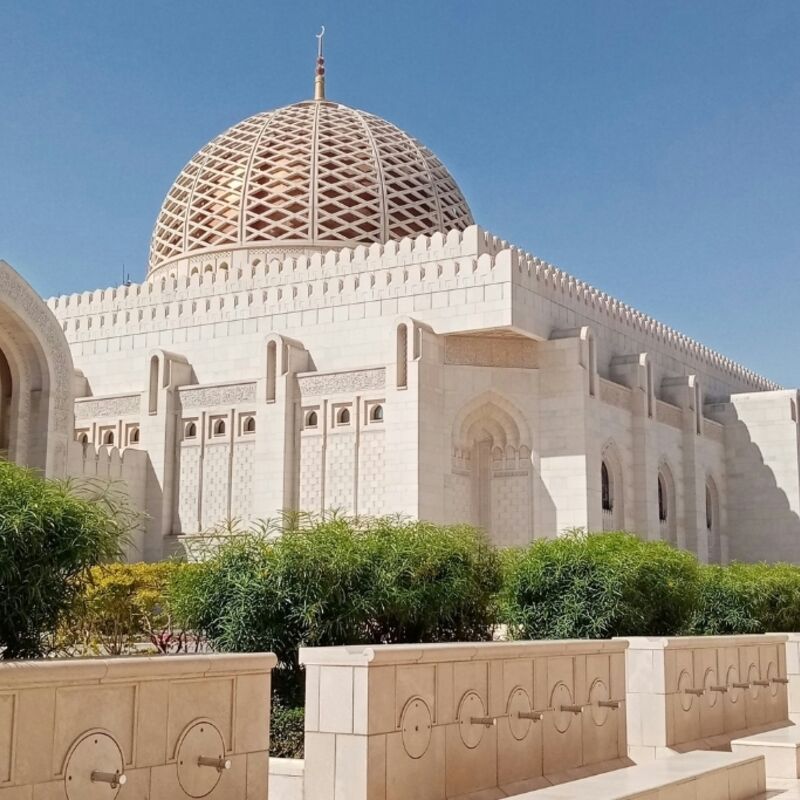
[762,526]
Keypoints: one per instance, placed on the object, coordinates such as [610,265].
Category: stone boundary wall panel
[69,727]
[442,721]
[698,693]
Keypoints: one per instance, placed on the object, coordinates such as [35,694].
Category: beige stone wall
[762,444]
[793,673]
[512,381]
[444,721]
[147,717]
[695,693]
[120,471]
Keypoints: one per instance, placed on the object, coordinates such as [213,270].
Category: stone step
[698,775]
[780,748]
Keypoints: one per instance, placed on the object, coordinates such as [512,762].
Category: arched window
[219,427]
[343,417]
[108,437]
[311,419]
[377,413]
[134,436]
[190,431]
[663,510]
[272,367]
[402,356]
[84,439]
[153,392]
[250,425]
[713,535]
[606,488]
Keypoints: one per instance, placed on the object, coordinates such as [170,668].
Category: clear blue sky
[651,148]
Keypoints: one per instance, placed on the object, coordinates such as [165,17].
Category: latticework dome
[314,175]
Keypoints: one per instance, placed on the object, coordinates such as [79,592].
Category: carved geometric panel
[242,488]
[310,490]
[340,472]
[216,482]
[188,464]
[371,474]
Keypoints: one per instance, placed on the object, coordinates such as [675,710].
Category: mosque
[323,325]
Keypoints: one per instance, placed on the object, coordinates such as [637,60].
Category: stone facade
[265,365]
[451,378]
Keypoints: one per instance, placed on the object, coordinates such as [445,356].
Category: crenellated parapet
[404,268]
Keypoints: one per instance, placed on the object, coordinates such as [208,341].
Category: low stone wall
[793,673]
[286,778]
[694,693]
[67,727]
[441,721]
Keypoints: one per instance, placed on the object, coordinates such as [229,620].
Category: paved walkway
[781,789]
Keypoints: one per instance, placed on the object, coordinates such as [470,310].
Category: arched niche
[36,392]
[491,469]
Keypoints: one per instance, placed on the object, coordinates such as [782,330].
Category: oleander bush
[124,608]
[747,598]
[596,586]
[337,580]
[51,534]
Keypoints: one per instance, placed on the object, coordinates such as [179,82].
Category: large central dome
[311,176]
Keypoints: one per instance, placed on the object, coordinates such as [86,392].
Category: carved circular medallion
[416,724]
[199,740]
[471,707]
[93,753]
[597,693]
[752,676]
[731,677]
[684,683]
[561,696]
[519,702]
[709,680]
[772,672]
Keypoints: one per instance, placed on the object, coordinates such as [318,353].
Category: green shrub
[287,731]
[748,598]
[121,606]
[341,581]
[51,534]
[597,586]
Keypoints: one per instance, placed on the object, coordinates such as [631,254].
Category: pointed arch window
[663,510]
[606,488]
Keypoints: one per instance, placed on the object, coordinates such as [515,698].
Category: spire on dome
[319,79]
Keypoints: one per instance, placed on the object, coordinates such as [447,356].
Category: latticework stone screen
[313,173]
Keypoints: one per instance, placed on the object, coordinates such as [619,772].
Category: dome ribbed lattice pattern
[313,174]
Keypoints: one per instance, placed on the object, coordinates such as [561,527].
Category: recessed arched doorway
[490,480]
[36,371]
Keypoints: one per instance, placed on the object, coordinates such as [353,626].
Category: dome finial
[319,79]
